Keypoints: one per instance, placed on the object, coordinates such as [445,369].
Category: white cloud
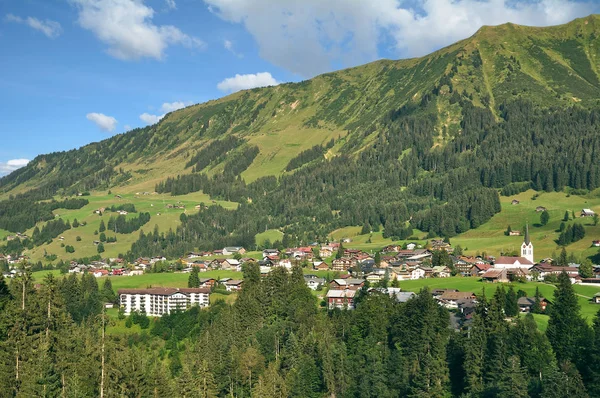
[150,119]
[173,106]
[171,4]
[228,45]
[126,26]
[12,165]
[51,29]
[105,123]
[126,127]
[244,82]
[311,36]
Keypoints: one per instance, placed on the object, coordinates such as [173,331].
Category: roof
[456,295]
[512,260]
[403,297]
[527,241]
[482,267]
[341,293]
[348,281]
[494,273]
[164,291]
[234,282]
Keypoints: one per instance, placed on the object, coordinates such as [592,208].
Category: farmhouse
[349,283]
[449,299]
[587,213]
[540,209]
[514,202]
[233,285]
[313,282]
[320,266]
[158,301]
[342,299]
[495,275]
[228,251]
[526,303]
[596,243]
[596,298]
[479,269]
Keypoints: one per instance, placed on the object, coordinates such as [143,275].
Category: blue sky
[77,71]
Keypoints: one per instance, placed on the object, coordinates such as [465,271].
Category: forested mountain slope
[430,140]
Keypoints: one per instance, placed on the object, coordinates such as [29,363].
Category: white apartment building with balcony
[158,301]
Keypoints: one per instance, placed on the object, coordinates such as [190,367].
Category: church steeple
[527,246]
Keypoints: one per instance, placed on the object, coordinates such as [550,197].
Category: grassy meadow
[490,237]
[156,205]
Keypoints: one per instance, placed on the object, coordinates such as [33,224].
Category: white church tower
[527,247]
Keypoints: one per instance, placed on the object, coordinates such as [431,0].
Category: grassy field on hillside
[4,233]
[165,218]
[369,242]
[271,234]
[588,310]
[490,236]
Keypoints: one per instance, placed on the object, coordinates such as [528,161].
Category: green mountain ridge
[551,66]
[429,135]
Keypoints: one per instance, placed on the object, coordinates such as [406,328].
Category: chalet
[419,257]
[264,271]
[230,263]
[441,271]
[342,299]
[587,213]
[232,285]
[438,292]
[228,251]
[218,252]
[373,277]
[495,275]
[419,273]
[540,209]
[514,233]
[157,259]
[158,301]
[326,251]
[596,243]
[348,283]
[479,269]
[270,252]
[526,303]
[285,263]
[207,282]
[393,249]
[450,299]
[98,273]
[343,264]
[544,270]
[512,262]
[320,266]
[439,244]
[411,246]
[596,298]
[514,202]
[314,282]
[265,263]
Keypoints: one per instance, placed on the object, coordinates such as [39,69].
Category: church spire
[527,241]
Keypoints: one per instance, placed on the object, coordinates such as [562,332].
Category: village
[335,273]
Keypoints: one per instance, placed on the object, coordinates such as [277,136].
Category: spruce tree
[566,216]
[102,227]
[512,383]
[511,307]
[566,328]
[544,217]
[536,308]
[193,279]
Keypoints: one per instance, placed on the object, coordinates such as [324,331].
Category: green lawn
[3,233]
[490,236]
[369,242]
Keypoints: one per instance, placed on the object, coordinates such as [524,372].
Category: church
[524,261]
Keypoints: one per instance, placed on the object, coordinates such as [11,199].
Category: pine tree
[512,383]
[100,248]
[562,259]
[536,308]
[194,280]
[562,383]
[102,227]
[586,270]
[511,307]
[566,216]
[544,217]
[566,328]
[108,294]
[270,384]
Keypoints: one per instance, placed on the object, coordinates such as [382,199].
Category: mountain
[428,140]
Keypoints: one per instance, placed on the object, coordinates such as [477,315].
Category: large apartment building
[158,301]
